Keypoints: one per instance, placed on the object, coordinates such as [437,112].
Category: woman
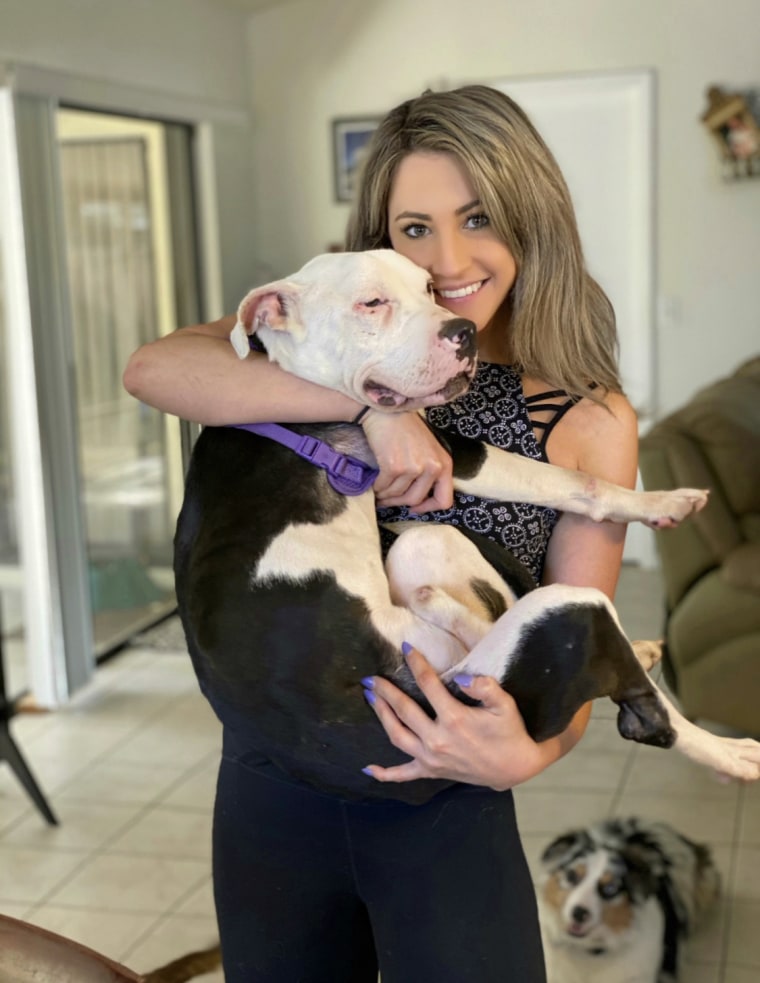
[311,888]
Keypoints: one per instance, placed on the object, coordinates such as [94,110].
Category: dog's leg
[733,757]
[648,653]
[510,477]
[435,606]
[442,577]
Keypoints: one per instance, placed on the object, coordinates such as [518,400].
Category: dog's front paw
[667,509]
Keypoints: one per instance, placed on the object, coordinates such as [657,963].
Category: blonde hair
[561,323]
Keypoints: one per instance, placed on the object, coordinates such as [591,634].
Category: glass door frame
[57,611]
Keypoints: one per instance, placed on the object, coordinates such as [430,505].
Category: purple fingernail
[463,679]
[406,648]
[369,696]
[368,682]
[367,771]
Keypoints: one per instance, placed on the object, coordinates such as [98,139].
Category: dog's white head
[365,324]
[592,891]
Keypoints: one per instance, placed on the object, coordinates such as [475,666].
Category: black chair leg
[10,753]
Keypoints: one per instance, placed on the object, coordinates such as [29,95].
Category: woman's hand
[415,470]
[484,745]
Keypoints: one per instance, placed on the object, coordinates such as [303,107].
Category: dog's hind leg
[732,757]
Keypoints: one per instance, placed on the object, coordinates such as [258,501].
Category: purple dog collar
[347,475]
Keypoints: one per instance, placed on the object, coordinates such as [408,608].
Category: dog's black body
[284,659]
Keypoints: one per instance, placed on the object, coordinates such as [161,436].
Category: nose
[450,255]
[461,333]
[579,914]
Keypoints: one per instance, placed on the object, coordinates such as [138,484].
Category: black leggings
[312,889]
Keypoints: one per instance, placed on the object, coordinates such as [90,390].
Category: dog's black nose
[580,914]
[461,333]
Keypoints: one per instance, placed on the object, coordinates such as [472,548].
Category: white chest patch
[352,555]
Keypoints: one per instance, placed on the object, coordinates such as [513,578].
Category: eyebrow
[428,218]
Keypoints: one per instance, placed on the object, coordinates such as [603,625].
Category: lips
[383,395]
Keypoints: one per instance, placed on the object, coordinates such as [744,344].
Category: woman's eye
[479,221]
[415,231]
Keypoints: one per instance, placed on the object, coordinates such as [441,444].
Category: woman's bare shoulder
[613,416]
[598,437]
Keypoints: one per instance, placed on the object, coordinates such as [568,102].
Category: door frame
[58,627]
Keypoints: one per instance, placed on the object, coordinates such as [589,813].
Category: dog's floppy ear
[274,306]
[571,844]
[644,870]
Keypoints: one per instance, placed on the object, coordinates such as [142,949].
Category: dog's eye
[608,889]
[431,288]
[572,876]
[375,302]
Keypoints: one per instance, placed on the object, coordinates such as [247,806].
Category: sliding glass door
[119,263]
[104,259]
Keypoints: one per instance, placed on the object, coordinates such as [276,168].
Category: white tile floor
[129,767]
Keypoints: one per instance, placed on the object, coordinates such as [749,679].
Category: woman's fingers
[423,494]
[398,773]
[485,744]
[414,467]
[404,720]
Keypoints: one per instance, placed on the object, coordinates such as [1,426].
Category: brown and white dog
[281,586]
[617,899]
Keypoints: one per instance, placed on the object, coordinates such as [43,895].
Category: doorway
[116,213]
[98,254]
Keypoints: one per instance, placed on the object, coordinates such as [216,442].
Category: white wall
[186,47]
[304,62]
[371,55]
[181,48]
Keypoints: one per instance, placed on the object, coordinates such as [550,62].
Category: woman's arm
[602,441]
[194,373]
[488,745]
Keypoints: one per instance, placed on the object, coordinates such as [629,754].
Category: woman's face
[436,220]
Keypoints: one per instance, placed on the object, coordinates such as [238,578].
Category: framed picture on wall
[350,136]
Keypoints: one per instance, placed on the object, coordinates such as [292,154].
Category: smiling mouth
[467,291]
[385,396]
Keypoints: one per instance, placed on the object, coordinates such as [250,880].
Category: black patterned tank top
[495,410]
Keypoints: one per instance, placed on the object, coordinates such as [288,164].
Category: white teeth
[462,292]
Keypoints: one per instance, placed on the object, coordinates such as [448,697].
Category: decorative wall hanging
[733,119]
[350,138]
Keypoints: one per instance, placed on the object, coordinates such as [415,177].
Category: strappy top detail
[496,411]
[555,401]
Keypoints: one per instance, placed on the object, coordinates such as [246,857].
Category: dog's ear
[571,844]
[274,306]
[644,870]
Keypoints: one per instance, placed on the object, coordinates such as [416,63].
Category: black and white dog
[282,591]
[617,899]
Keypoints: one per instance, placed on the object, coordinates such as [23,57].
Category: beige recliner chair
[711,563]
